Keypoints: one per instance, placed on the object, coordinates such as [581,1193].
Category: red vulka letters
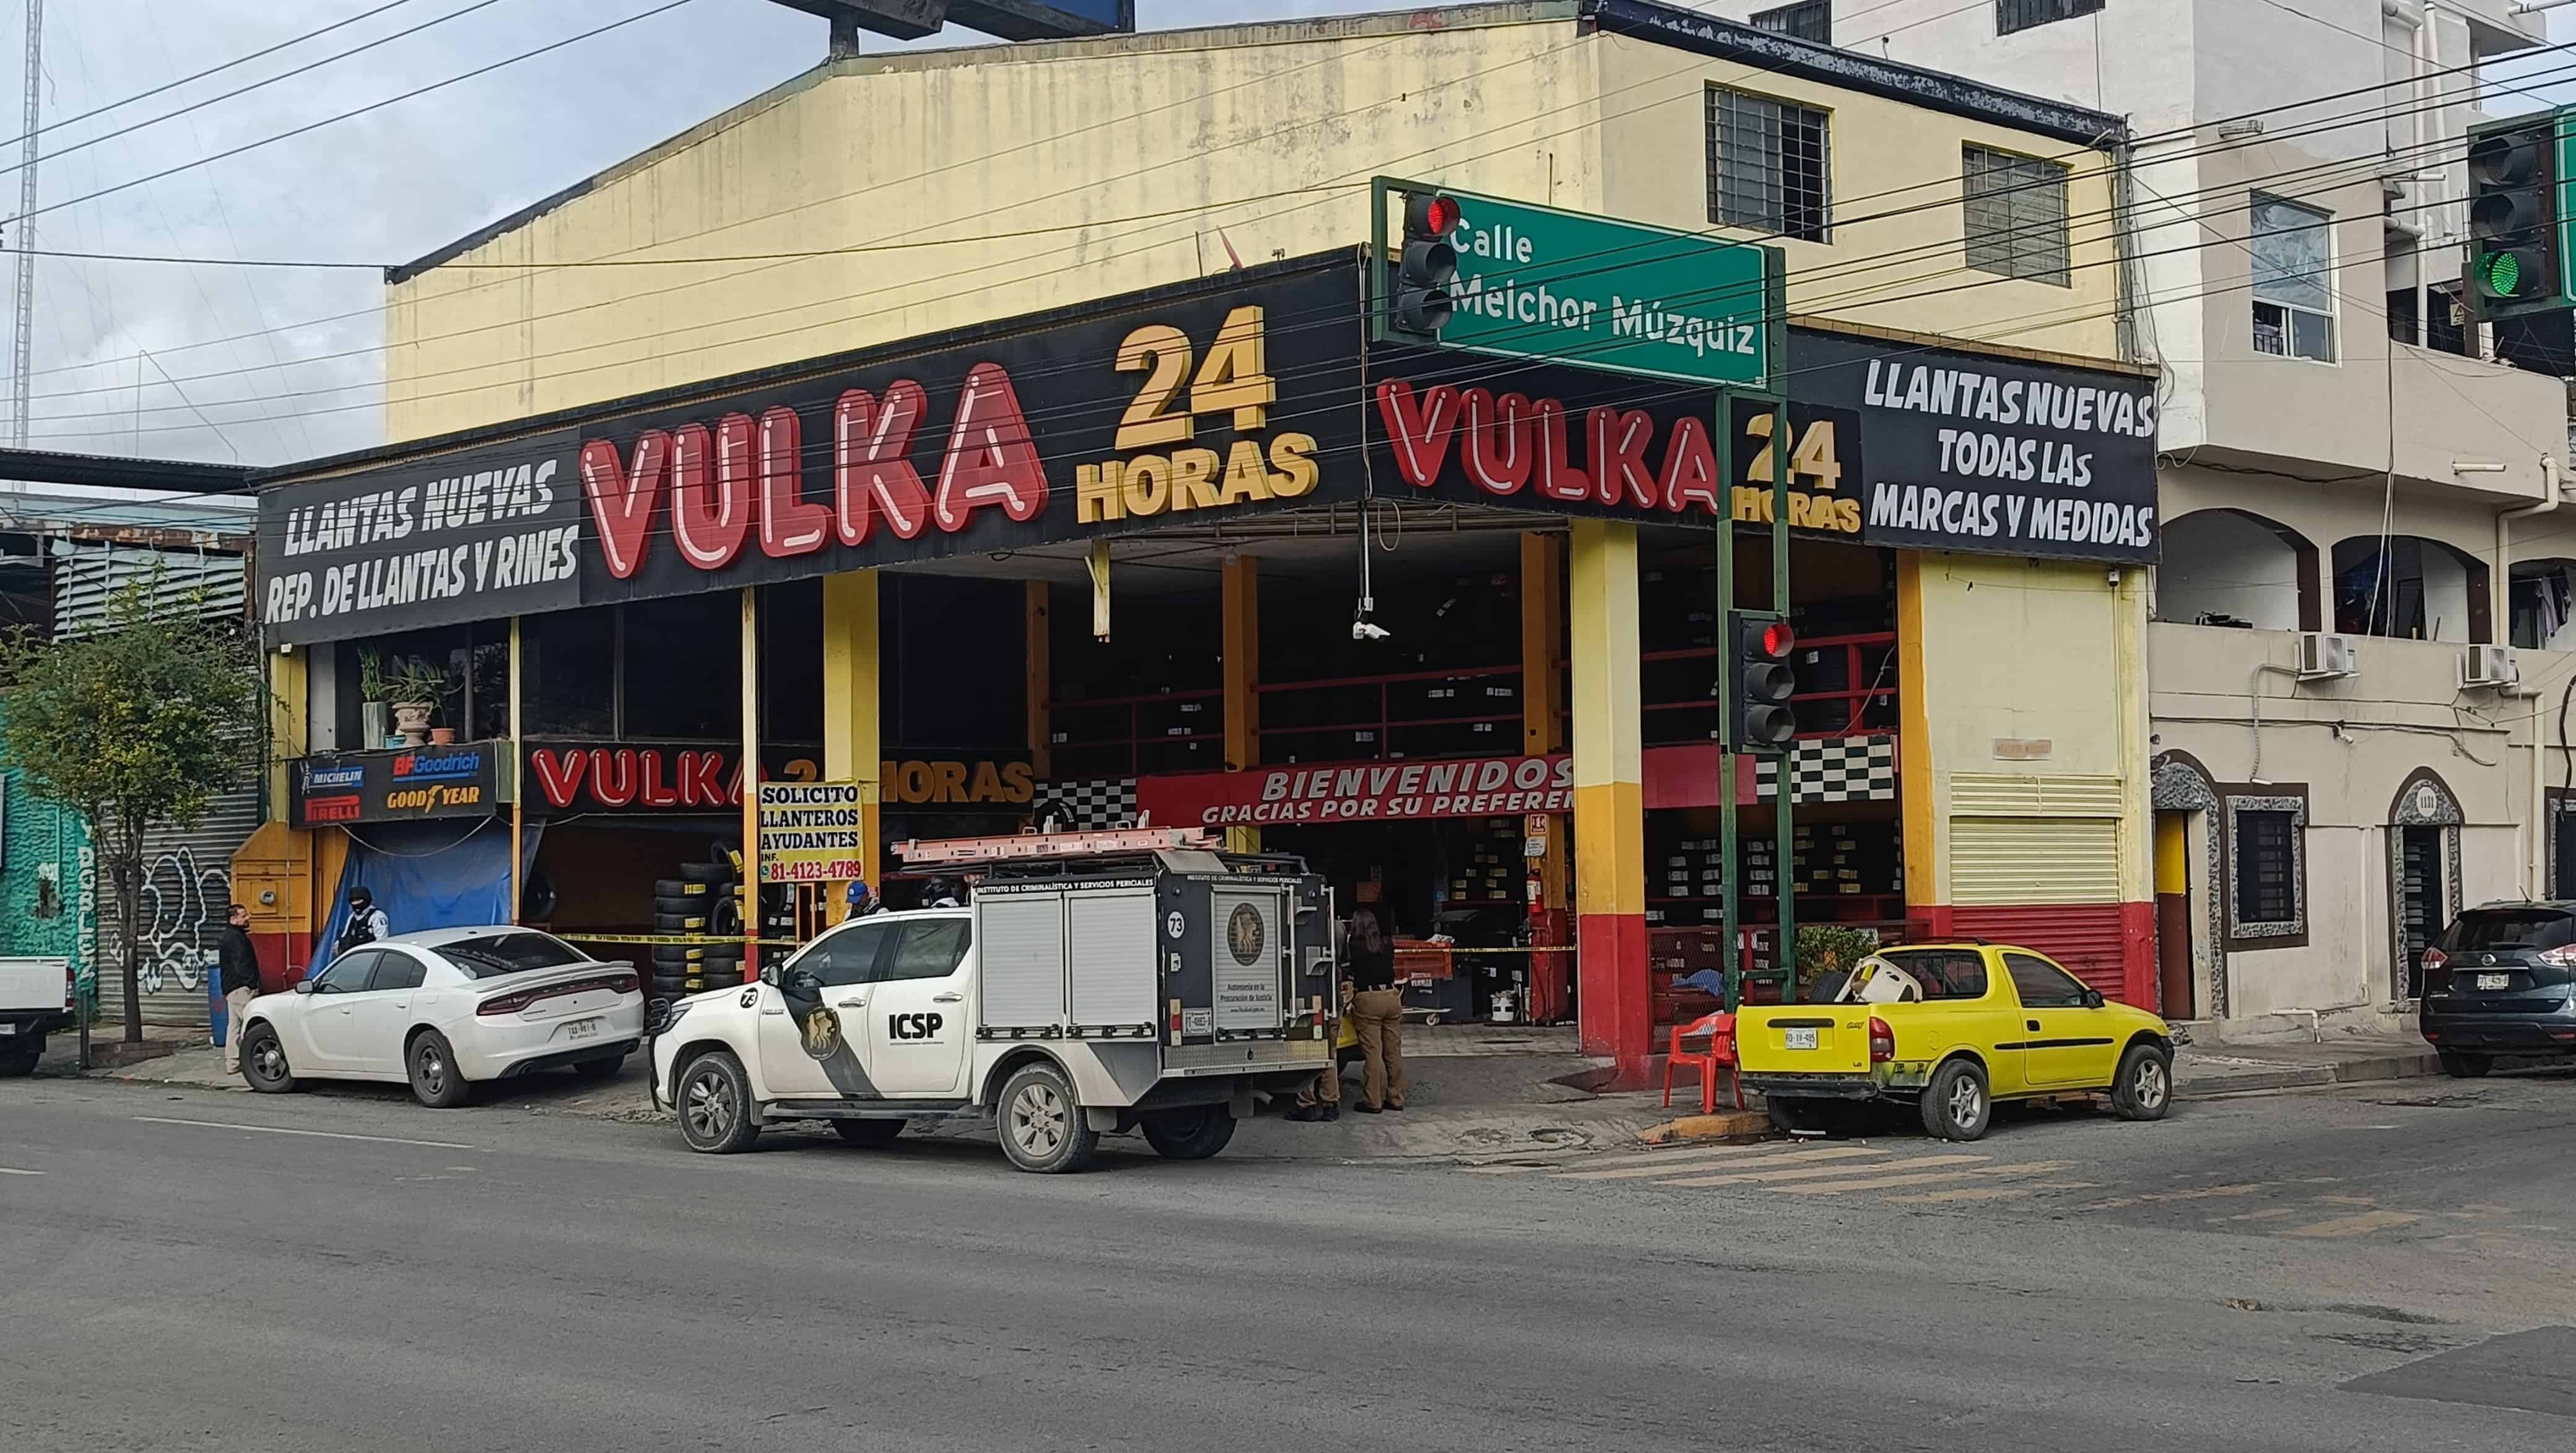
[612,788]
[1499,449]
[710,517]
[872,465]
[1690,469]
[1618,453]
[1558,479]
[702,782]
[1419,429]
[991,458]
[622,497]
[789,523]
[559,774]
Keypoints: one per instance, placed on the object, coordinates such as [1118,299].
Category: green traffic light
[2504,273]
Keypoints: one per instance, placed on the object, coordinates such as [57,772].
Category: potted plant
[375,721]
[1830,948]
[413,689]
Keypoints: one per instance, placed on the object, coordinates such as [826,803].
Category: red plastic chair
[1719,1030]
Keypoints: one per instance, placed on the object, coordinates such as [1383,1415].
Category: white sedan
[444,1010]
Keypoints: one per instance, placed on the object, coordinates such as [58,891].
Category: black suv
[2502,980]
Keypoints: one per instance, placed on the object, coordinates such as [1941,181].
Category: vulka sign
[1509,444]
[725,479]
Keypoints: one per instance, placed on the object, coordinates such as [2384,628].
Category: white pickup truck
[35,1000]
[1101,983]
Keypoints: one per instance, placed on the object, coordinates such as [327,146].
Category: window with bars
[1768,166]
[2016,215]
[2266,873]
[1806,20]
[2012,15]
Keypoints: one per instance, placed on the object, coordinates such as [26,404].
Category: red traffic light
[1432,216]
[1778,640]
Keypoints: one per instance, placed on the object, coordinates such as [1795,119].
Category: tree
[140,724]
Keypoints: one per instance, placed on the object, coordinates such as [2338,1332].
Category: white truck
[35,1000]
[1100,983]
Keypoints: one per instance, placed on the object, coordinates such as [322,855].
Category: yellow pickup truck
[1953,1028]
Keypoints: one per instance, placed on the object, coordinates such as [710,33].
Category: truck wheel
[19,1061]
[435,1079]
[1043,1127]
[1956,1105]
[1192,1133]
[2143,1087]
[263,1062]
[2460,1064]
[714,1097]
[871,1133]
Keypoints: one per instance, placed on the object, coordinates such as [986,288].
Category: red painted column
[1615,1008]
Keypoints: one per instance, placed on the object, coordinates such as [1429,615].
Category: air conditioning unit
[2491,666]
[2325,656]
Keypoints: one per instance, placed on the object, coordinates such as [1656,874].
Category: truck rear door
[1810,1039]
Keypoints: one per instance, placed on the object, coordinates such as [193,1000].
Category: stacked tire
[698,903]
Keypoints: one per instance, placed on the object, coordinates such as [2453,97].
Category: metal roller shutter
[1996,861]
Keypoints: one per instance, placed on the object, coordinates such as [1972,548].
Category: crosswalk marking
[1636,1172]
[1964,1193]
[1777,1177]
[1917,1177]
[2361,1225]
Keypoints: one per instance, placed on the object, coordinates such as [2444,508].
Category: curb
[2377,1068]
[1731,1125]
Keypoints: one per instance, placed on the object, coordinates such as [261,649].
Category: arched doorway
[2423,873]
[2191,925]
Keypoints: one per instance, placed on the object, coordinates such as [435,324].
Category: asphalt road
[2307,1271]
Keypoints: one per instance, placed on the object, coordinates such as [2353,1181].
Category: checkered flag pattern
[1090,803]
[1834,769]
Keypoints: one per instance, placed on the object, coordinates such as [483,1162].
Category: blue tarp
[426,875]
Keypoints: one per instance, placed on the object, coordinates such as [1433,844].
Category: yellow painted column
[289,721]
[853,742]
[1542,735]
[1616,1011]
[1242,651]
[1914,785]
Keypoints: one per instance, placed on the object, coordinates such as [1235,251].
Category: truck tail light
[2560,957]
[1882,1041]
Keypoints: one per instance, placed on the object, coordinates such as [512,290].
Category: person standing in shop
[1368,960]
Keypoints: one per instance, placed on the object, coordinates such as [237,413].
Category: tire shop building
[1070,543]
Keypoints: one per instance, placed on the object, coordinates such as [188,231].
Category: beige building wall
[956,187]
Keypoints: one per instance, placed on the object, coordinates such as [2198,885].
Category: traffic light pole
[1784,448]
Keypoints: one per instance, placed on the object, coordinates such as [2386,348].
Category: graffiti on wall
[183,905]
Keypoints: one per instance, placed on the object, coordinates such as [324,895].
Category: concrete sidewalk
[2340,1059]
[1477,1091]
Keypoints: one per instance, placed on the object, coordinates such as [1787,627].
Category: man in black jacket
[239,965]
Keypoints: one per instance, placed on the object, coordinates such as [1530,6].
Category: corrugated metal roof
[86,576]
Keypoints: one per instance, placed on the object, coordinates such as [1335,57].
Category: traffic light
[1420,302]
[1764,682]
[2514,253]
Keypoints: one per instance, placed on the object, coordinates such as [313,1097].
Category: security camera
[1369,631]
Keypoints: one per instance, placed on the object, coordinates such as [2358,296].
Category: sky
[266,366]
[207,362]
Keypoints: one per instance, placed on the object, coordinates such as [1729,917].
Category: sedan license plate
[582,1029]
[2495,981]
[1801,1038]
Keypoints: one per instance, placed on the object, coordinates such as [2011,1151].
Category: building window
[2016,208]
[2446,328]
[2293,297]
[2012,15]
[2403,324]
[1767,166]
[2267,888]
[1807,20]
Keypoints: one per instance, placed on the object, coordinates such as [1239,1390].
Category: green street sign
[1539,283]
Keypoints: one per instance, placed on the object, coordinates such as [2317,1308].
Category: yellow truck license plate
[1800,1038]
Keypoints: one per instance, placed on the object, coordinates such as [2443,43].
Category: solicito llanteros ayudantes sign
[812,832]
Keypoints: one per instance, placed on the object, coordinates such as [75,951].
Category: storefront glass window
[571,661]
[684,668]
[443,652]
